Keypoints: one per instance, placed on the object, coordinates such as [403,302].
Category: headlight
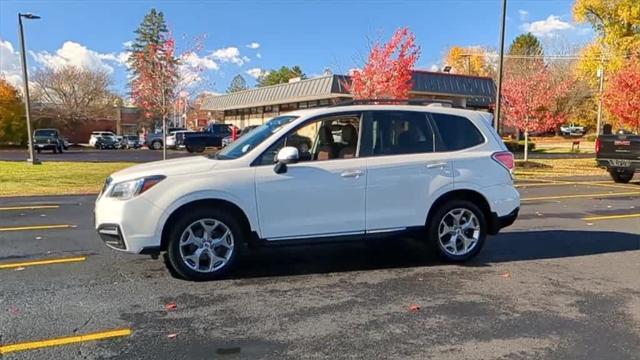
[128,189]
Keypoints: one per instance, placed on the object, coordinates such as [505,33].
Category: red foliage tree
[622,96]
[387,73]
[530,99]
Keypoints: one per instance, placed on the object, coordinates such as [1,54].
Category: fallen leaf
[18,269]
[506,275]
[172,335]
[414,307]
[14,310]
[38,237]
[171,306]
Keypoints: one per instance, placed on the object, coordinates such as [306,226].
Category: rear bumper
[615,163]
[499,222]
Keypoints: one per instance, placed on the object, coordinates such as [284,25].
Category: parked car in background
[65,143]
[176,139]
[211,137]
[48,139]
[154,140]
[96,134]
[572,130]
[104,142]
[620,154]
[442,175]
[131,142]
[229,139]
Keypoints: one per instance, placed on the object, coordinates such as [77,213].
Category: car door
[404,174]
[323,195]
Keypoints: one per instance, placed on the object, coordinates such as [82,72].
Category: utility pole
[496,119]
[23,57]
[601,88]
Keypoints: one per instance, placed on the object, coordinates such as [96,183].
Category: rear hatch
[619,147]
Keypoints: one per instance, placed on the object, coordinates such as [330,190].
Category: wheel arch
[208,202]
[464,194]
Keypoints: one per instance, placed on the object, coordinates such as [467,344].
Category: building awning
[479,91]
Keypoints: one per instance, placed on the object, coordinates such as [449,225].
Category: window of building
[302,105]
[324,102]
[455,132]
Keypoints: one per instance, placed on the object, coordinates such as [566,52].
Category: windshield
[252,139]
[45,133]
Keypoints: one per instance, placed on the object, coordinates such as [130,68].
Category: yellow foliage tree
[12,123]
[617,23]
[469,61]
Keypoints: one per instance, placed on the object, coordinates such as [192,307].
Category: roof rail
[447,103]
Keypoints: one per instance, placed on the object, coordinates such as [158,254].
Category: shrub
[515,146]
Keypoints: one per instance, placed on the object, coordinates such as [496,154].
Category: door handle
[352,173]
[436,165]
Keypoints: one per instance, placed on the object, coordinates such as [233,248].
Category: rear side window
[398,132]
[455,132]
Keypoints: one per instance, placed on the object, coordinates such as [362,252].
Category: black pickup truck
[619,154]
[211,137]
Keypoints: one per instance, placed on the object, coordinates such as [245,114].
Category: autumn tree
[617,24]
[622,95]
[13,128]
[238,83]
[71,94]
[389,69]
[281,76]
[470,61]
[530,101]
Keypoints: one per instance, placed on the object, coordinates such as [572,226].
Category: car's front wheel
[204,244]
[457,230]
[156,145]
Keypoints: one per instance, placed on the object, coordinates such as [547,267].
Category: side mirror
[286,155]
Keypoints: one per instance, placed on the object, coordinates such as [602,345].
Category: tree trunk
[526,145]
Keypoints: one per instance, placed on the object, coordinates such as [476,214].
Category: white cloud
[127,44]
[253,45]
[548,27]
[434,67]
[195,61]
[524,15]
[256,73]
[259,56]
[72,53]
[229,54]
[10,63]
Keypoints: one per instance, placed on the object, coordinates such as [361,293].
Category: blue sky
[246,37]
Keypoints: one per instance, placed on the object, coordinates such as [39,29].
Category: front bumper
[127,225]
[46,146]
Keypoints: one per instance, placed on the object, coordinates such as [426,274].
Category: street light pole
[601,88]
[496,119]
[23,57]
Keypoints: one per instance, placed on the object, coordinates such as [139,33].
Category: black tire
[175,260]
[38,150]
[621,176]
[55,150]
[60,149]
[156,145]
[434,223]
[198,148]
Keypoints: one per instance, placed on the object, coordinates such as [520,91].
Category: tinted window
[45,133]
[455,132]
[399,132]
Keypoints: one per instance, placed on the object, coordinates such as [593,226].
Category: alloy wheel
[459,232]
[206,245]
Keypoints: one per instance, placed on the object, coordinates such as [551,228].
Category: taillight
[598,145]
[505,159]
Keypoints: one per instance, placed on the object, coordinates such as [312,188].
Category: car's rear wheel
[156,145]
[621,175]
[60,149]
[55,150]
[457,230]
[204,244]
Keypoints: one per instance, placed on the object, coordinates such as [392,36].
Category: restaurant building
[256,106]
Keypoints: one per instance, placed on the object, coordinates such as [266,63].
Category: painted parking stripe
[33,207]
[36,227]
[15,265]
[611,217]
[102,335]
[558,197]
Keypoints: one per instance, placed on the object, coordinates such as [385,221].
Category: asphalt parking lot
[561,283]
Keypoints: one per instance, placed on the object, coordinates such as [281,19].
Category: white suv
[348,172]
[96,134]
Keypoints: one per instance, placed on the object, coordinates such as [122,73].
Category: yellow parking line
[35,227]
[5,349]
[33,207]
[611,217]
[581,196]
[42,262]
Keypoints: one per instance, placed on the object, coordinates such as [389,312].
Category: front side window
[398,132]
[330,138]
[455,132]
